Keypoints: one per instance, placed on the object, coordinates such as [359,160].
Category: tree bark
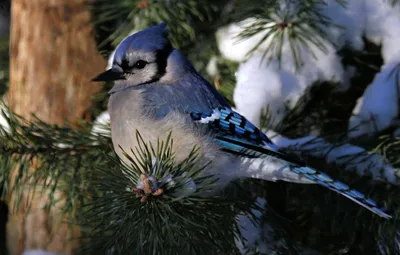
[53,55]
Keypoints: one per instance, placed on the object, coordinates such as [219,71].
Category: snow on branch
[377,109]
[350,157]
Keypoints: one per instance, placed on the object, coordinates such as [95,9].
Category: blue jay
[157,90]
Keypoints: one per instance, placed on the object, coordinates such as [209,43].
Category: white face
[139,67]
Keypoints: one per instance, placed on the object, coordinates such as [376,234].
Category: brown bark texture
[53,56]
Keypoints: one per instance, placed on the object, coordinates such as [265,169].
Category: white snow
[347,156]
[64,145]
[259,236]
[382,27]
[349,20]
[234,49]
[101,125]
[261,84]
[378,107]
[250,231]
[212,68]
[3,120]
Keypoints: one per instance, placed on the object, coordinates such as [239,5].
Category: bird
[157,91]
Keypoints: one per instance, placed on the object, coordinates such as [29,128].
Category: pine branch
[167,208]
[59,156]
[298,25]
[322,216]
[139,14]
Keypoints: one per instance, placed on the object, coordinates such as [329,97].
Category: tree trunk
[53,56]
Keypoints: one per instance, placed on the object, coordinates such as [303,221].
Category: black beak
[110,75]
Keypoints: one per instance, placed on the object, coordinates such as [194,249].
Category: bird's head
[140,58]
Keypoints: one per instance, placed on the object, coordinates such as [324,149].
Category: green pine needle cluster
[178,221]
[100,191]
[322,217]
[139,14]
[48,158]
[299,23]
[100,197]
[103,194]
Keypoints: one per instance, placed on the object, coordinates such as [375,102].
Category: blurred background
[320,77]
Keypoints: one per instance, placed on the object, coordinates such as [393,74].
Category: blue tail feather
[341,188]
[236,135]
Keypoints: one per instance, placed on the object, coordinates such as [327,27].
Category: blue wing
[235,134]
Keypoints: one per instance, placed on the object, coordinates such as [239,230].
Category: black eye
[140,64]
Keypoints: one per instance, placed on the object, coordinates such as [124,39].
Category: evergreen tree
[321,77]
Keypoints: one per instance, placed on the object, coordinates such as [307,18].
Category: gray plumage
[158,98]
[150,99]
[157,90]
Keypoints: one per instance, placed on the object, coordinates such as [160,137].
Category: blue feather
[235,134]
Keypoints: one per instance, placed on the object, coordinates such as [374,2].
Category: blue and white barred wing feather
[236,135]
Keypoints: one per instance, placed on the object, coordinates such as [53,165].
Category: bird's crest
[152,39]
[163,26]
[156,30]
